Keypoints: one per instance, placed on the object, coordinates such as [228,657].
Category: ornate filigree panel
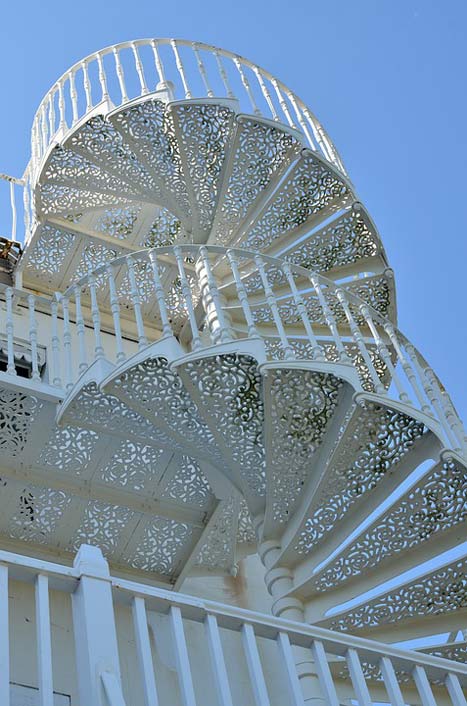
[165,230]
[218,551]
[50,252]
[245,531]
[150,130]
[101,525]
[442,591]
[37,513]
[59,199]
[118,222]
[69,449]
[260,151]
[189,485]
[17,414]
[203,132]
[154,387]
[437,503]
[374,442]
[94,255]
[301,404]
[229,388]
[310,187]
[375,291]
[345,241]
[164,545]
[134,466]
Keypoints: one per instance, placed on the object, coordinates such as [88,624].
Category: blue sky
[387,79]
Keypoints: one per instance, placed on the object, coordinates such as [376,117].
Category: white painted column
[94,628]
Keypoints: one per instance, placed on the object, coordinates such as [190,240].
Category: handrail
[238,293]
[184,69]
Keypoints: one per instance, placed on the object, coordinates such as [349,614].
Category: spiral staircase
[225,351]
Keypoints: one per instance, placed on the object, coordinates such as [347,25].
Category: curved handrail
[188,69]
[334,324]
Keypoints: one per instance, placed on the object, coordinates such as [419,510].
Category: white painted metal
[144,651]
[4,638]
[324,673]
[391,683]
[423,686]
[257,681]
[44,644]
[218,662]
[358,678]
[295,689]
[181,657]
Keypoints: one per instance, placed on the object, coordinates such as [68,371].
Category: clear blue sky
[386,77]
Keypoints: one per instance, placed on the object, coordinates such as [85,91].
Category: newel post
[96,647]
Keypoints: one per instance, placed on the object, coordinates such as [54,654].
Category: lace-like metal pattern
[436,504]
[301,405]
[162,547]
[245,532]
[259,151]
[373,290]
[218,552]
[101,525]
[154,387]
[203,132]
[165,230]
[345,241]
[94,255]
[37,513]
[92,409]
[118,222]
[50,252]
[69,449]
[189,485]
[229,389]
[442,591]
[374,442]
[60,199]
[17,415]
[149,128]
[133,465]
[310,188]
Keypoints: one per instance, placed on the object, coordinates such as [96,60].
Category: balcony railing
[208,296]
[139,644]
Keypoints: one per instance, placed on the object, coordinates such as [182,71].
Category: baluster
[254,666]
[330,320]
[223,75]
[217,660]
[301,119]
[407,368]
[324,673]
[454,421]
[143,647]
[51,106]
[223,332]
[181,68]
[136,301]
[33,337]
[186,292]
[391,683]
[102,78]
[455,690]
[13,210]
[384,353]
[358,678]
[96,319]
[73,96]
[80,329]
[318,134]
[272,303]
[11,369]
[160,296]
[44,643]
[115,309]
[242,295]
[4,638]
[266,93]
[181,657]
[120,75]
[86,84]
[139,69]
[282,102]
[61,108]
[423,686]
[43,124]
[159,66]
[358,338]
[56,380]
[436,401]
[67,342]
[202,69]
[26,204]
[285,650]
[246,85]
[316,350]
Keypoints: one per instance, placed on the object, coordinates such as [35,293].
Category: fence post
[94,628]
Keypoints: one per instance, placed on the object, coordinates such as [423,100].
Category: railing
[207,295]
[10,199]
[184,70]
[185,651]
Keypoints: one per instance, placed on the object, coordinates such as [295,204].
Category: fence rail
[203,642]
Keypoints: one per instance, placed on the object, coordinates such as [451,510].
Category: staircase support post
[94,628]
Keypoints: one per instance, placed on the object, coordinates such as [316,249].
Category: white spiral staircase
[205,226]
